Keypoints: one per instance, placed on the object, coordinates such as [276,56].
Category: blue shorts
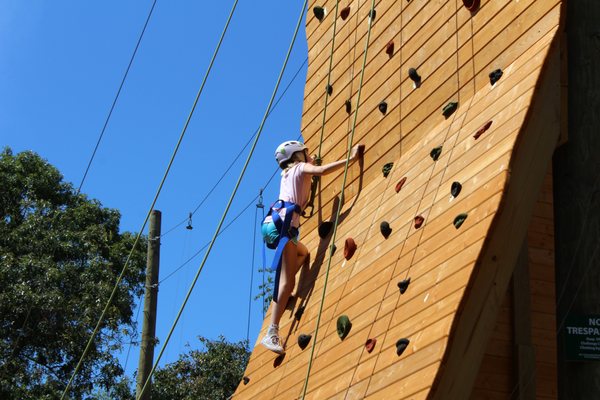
[270,234]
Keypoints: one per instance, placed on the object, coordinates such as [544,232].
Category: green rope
[228,203]
[337,215]
[160,186]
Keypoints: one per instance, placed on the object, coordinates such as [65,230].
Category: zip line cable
[160,186]
[228,203]
[114,103]
[239,154]
[337,214]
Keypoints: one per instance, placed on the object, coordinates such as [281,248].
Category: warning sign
[582,333]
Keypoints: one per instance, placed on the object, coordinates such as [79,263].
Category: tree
[209,374]
[60,255]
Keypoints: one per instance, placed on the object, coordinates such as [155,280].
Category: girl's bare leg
[287,279]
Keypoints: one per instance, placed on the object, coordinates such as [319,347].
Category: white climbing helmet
[285,150]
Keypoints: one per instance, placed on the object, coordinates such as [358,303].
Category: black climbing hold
[482,130]
[325,228]
[385,229]
[389,48]
[383,107]
[449,109]
[370,344]
[435,153]
[460,218]
[455,189]
[278,360]
[414,76]
[348,105]
[349,248]
[400,183]
[372,14]
[401,345]
[333,249]
[319,13]
[329,89]
[246,380]
[345,12]
[343,326]
[303,340]
[403,285]
[298,313]
[495,76]
[387,168]
[419,221]
[471,5]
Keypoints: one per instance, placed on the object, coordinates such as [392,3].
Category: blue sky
[61,65]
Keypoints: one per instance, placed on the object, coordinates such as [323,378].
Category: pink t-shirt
[295,187]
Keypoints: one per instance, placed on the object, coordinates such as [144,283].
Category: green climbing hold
[345,12]
[246,380]
[449,109]
[343,326]
[401,345]
[455,189]
[348,105]
[372,14]
[460,218]
[435,153]
[303,340]
[325,228]
[383,107]
[387,168]
[319,13]
[385,229]
[329,89]
[495,76]
[471,5]
[403,285]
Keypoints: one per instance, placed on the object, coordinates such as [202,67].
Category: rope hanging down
[160,186]
[166,342]
[337,215]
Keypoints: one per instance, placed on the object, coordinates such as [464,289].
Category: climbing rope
[114,103]
[337,215]
[259,205]
[137,239]
[166,342]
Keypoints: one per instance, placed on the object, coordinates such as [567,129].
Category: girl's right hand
[357,151]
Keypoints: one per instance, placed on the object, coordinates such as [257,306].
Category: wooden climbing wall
[459,277]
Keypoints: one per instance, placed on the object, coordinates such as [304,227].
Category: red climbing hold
[370,344]
[389,48]
[482,130]
[400,183]
[349,248]
[419,221]
[345,12]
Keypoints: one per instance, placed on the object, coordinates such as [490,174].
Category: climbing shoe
[273,343]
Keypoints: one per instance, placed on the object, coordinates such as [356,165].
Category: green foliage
[60,255]
[266,289]
[211,373]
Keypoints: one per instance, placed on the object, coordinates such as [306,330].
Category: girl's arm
[334,166]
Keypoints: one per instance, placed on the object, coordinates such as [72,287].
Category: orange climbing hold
[482,130]
[419,221]
[370,344]
[389,48]
[349,248]
[400,183]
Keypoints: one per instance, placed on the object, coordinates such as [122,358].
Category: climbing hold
[319,13]
[455,189]
[387,168]
[419,221]
[333,248]
[460,218]
[189,226]
[298,313]
[246,380]
[329,89]
[343,326]
[349,248]
[372,14]
[370,344]
[403,285]
[435,153]
[495,76]
[325,228]
[449,109]
[385,229]
[401,345]
[471,5]
[383,107]
[345,12]
[348,105]
[400,183]
[389,48]
[415,77]
[303,340]
[482,130]
[278,360]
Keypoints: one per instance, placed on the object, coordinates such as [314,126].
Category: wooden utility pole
[150,301]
